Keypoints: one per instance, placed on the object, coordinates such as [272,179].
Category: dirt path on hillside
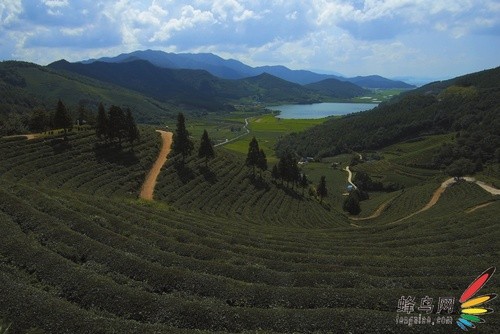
[28,137]
[349,177]
[377,212]
[492,190]
[439,191]
[477,207]
[148,187]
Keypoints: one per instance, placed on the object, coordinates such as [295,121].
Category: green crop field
[268,129]
[220,250]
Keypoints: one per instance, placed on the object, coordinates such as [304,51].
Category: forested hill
[27,87]
[199,88]
[337,88]
[468,105]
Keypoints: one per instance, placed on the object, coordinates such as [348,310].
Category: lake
[320,110]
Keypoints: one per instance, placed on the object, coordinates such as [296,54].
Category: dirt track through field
[148,187]
[439,191]
[377,212]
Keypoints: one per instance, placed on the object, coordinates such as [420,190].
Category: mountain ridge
[234,69]
[199,88]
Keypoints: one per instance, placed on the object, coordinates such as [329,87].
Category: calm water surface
[320,110]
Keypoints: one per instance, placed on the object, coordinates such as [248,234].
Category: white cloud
[351,36]
[9,12]
[56,3]
[73,31]
[292,15]
[189,18]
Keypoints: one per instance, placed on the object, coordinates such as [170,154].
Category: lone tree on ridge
[253,155]
[181,143]
[206,148]
[321,190]
[62,119]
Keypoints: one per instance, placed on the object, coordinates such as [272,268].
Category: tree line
[116,125]
[286,170]
[183,145]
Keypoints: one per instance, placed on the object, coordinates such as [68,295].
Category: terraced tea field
[218,250]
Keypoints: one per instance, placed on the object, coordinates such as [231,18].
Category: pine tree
[253,154]
[181,143]
[294,171]
[131,130]
[304,182]
[62,119]
[322,190]
[39,121]
[101,128]
[275,174]
[262,162]
[288,169]
[116,124]
[206,149]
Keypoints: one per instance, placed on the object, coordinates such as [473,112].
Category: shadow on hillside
[208,174]
[114,154]
[292,192]
[259,183]
[184,172]
[59,145]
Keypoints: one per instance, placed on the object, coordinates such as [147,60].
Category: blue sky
[423,38]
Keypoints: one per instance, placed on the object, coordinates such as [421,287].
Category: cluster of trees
[256,158]
[351,203]
[287,170]
[365,183]
[116,125]
[40,120]
[183,145]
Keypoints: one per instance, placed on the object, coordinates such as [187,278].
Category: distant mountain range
[233,69]
[201,90]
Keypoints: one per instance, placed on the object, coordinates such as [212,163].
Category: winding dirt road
[349,177]
[148,187]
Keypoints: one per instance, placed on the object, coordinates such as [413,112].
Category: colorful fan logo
[471,309]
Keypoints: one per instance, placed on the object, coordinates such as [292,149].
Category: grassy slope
[79,254]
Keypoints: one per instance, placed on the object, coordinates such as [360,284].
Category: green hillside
[218,250]
[467,106]
[26,86]
[337,88]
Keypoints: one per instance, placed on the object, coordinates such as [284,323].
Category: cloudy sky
[424,38]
